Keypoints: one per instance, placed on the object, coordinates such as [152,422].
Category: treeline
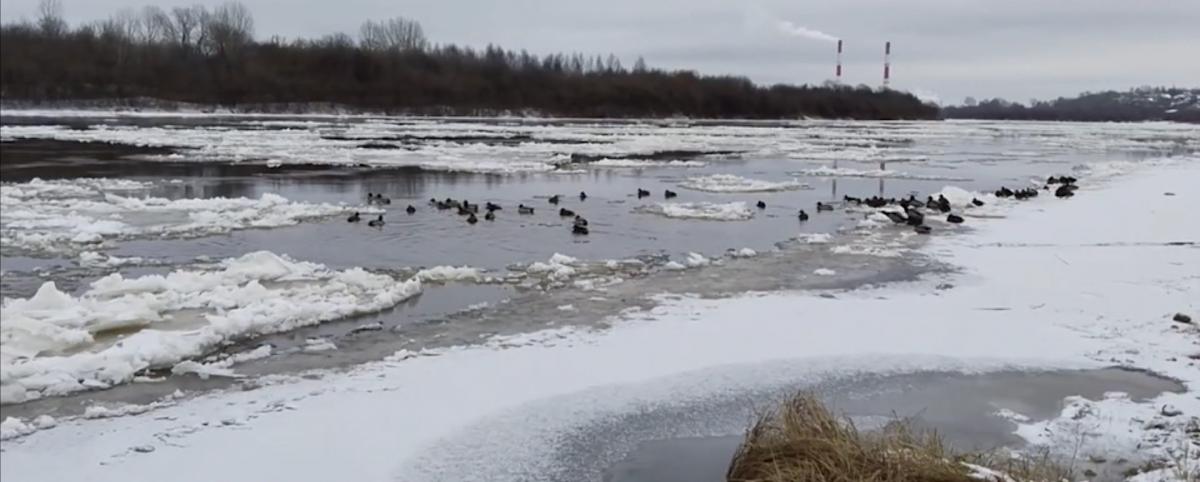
[210,56]
[1142,104]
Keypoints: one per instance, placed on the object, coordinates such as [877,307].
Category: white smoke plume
[794,30]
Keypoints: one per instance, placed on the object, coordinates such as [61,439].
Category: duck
[915,217]
[472,219]
[914,202]
[641,193]
[876,202]
[824,207]
[1064,191]
[1052,180]
[370,197]
[582,196]
[803,215]
[410,209]
[554,199]
[954,218]
[580,221]
[523,209]
[761,205]
[943,204]
[852,199]
[923,229]
[462,211]
[470,207]
[896,217]
[490,216]
[433,202]
[383,200]
[566,213]
[581,230]
[354,218]
[1004,192]
[492,207]
[669,194]
[976,201]
[377,222]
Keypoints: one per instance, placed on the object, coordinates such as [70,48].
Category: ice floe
[738,184]
[56,343]
[732,211]
[80,214]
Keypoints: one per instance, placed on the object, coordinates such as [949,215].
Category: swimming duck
[761,205]
[976,201]
[554,199]
[377,222]
[582,196]
[577,229]
[852,199]
[669,194]
[410,209]
[370,197]
[824,207]
[1064,191]
[943,204]
[492,207]
[523,209]
[954,218]
[566,213]
[896,217]
[923,229]
[915,217]
[433,202]
[472,219]
[876,202]
[490,216]
[1052,180]
[914,202]
[354,218]
[641,193]
[383,200]
[580,221]
[1004,192]
[803,215]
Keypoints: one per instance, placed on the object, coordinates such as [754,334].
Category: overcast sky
[1017,49]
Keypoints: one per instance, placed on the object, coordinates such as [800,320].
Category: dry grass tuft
[803,441]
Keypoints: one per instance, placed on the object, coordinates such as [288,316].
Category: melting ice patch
[55,343]
[850,172]
[76,215]
[733,211]
[733,183]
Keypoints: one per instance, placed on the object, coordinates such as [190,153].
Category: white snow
[641,164]
[733,211]
[445,274]
[76,215]
[743,253]
[815,238]
[824,272]
[738,184]
[92,259]
[559,267]
[55,343]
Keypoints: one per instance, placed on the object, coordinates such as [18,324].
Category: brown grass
[803,441]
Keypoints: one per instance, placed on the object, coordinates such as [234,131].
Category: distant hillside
[1141,104]
[210,56]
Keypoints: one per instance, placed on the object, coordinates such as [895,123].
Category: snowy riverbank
[1091,281]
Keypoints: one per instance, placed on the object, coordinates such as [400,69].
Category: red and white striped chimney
[838,72]
[887,63]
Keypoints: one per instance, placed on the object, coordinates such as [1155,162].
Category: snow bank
[743,253]
[824,272]
[738,184]
[54,343]
[559,267]
[78,214]
[734,211]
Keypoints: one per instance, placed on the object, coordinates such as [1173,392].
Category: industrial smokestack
[887,63]
[838,72]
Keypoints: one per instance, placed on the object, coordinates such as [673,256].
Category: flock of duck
[912,210]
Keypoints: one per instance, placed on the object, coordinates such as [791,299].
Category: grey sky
[1015,49]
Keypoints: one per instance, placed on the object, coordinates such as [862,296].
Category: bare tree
[639,67]
[227,29]
[188,25]
[50,17]
[394,35]
[157,25]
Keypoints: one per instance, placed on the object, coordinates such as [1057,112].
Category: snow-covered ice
[55,343]
[79,214]
[732,211]
[737,184]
